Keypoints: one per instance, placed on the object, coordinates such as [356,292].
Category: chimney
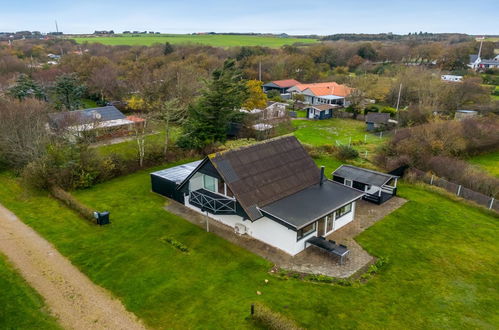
[322,175]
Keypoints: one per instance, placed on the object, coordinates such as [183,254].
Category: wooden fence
[489,202]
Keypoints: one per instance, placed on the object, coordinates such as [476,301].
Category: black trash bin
[102,218]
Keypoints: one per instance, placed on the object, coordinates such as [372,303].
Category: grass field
[441,272]
[20,306]
[211,40]
[488,162]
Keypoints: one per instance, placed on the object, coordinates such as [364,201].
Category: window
[344,210]
[209,183]
[348,182]
[305,231]
[329,223]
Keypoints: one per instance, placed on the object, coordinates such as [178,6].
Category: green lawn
[442,270]
[211,40]
[20,305]
[488,162]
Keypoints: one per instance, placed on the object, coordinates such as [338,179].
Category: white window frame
[347,183]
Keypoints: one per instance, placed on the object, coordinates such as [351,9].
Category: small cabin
[377,120]
[320,111]
[377,186]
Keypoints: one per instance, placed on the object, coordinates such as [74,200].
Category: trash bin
[102,218]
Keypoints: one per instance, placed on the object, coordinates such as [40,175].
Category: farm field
[441,252]
[210,40]
[488,162]
[21,306]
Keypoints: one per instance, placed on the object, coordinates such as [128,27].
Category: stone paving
[311,260]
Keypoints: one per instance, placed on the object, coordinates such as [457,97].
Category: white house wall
[265,230]
[347,218]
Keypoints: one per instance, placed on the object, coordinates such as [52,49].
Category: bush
[176,244]
[72,203]
[345,152]
[272,320]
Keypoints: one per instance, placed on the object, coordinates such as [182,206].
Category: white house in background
[272,110]
[323,93]
[477,63]
[451,78]
[102,122]
[271,191]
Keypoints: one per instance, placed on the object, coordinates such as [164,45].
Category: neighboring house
[323,93]
[275,110]
[376,120]
[104,122]
[272,111]
[320,111]
[463,114]
[477,63]
[378,187]
[451,78]
[271,191]
[281,86]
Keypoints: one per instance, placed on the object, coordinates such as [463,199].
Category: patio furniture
[339,250]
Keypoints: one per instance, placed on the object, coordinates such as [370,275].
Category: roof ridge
[224,152]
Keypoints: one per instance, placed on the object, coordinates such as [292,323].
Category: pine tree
[209,118]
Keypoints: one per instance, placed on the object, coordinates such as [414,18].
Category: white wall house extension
[271,191]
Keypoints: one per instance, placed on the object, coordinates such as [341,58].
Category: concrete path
[71,297]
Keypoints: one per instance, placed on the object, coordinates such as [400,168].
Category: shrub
[345,152]
[72,202]
[272,320]
[176,244]
[320,278]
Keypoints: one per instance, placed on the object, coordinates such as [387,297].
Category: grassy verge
[488,162]
[441,274]
[20,306]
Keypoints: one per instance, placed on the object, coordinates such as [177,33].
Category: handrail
[211,203]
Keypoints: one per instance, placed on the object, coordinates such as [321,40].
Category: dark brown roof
[323,107]
[266,172]
[377,117]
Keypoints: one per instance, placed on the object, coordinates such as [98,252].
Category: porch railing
[211,202]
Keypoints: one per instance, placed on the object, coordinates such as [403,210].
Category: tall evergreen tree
[209,118]
[25,87]
[69,91]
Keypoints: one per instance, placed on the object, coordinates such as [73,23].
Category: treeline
[440,147]
[421,36]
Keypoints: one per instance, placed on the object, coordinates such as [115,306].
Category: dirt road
[72,298]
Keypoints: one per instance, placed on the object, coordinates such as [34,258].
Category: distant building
[330,93]
[376,120]
[280,85]
[451,78]
[463,114]
[477,63]
[101,123]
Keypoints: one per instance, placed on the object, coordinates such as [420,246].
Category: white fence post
[365,138]
[349,141]
[380,134]
[431,180]
[491,203]
[458,190]
[365,154]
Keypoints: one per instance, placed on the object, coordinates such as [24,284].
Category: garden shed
[165,182]
[379,187]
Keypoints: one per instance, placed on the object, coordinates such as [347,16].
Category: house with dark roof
[280,85]
[377,186]
[320,111]
[377,120]
[271,191]
[477,63]
[96,121]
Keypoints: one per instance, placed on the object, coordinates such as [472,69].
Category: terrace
[312,260]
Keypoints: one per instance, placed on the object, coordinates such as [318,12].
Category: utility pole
[260,70]
[398,101]
[56,27]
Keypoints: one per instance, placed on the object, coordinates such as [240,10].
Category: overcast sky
[276,16]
